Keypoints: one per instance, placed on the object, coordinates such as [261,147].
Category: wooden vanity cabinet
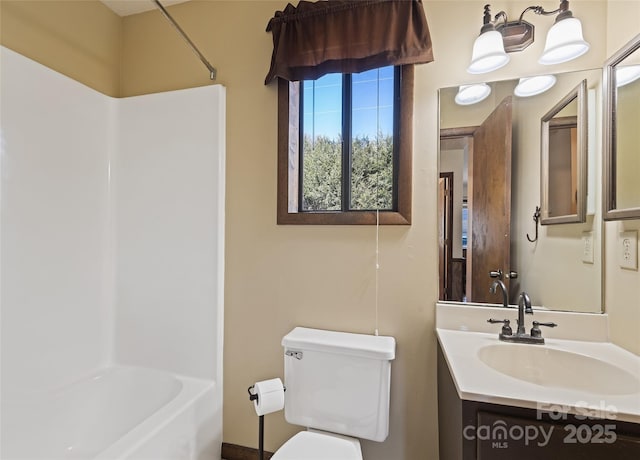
[471,430]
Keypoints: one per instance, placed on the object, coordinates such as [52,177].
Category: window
[345,148]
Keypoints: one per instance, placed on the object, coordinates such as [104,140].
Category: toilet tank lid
[346,343]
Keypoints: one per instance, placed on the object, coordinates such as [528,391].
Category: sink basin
[554,368]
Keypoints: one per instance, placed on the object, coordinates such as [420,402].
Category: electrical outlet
[587,247]
[628,250]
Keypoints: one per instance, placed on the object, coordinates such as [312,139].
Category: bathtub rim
[192,390]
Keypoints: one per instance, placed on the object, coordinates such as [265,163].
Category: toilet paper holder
[254,397]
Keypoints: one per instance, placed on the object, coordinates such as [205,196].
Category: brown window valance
[347,36]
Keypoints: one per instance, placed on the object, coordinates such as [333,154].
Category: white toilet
[338,388]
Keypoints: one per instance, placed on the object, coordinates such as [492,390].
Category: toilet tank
[338,381]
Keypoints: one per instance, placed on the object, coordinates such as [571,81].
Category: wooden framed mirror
[563,160]
[621,149]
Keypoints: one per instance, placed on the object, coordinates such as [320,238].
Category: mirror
[563,159]
[621,87]
[490,166]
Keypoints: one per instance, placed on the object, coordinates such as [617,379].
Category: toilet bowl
[338,387]
[318,445]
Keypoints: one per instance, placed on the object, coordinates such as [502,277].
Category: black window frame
[289,206]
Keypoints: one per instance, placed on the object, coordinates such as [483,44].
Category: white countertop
[476,381]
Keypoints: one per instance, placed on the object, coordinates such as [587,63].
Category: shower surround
[112,269]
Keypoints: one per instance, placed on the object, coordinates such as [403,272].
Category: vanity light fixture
[564,40]
[627,74]
[472,94]
[488,49]
[532,86]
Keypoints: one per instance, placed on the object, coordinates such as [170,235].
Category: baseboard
[235,452]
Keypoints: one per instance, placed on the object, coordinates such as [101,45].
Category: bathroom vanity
[569,398]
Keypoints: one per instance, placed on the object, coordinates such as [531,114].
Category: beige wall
[80,39]
[278,277]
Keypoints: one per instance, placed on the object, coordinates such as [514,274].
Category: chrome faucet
[503,288]
[524,307]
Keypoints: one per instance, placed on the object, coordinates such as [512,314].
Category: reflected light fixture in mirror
[472,94]
[501,36]
[532,86]
[627,74]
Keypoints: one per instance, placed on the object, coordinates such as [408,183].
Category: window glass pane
[372,140]
[322,144]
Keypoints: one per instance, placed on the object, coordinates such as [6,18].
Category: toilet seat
[319,445]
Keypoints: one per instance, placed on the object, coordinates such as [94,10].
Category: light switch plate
[587,247]
[628,249]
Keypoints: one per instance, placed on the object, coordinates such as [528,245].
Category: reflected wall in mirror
[563,159]
[621,88]
[481,155]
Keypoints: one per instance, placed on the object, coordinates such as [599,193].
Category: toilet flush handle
[295,354]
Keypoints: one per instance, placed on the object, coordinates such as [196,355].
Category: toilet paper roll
[270,396]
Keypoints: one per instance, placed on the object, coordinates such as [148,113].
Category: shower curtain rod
[165,13]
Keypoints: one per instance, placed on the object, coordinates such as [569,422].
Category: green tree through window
[347,130]
[345,148]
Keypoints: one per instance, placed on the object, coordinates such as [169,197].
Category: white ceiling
[127,7]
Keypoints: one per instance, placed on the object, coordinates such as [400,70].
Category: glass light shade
[627,74]
[532,86]
[564,42]
[488,53]
[472,94]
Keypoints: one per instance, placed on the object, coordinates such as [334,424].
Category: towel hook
[536,219]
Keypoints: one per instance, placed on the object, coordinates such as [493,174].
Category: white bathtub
[116,413]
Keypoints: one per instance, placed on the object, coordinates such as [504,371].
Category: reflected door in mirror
[445,235]
[490,203]
[481,157]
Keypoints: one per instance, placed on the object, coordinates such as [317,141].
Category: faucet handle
[538,323]
[535,330]
[506,328]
